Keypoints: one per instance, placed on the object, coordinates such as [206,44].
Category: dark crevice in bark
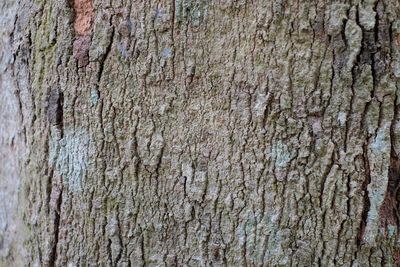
[368,48]
[374,52]
[142,249]
[325,175]
[56,223]
[366,205]
[184,187]
[55,109]
[49,174]
[109,251]
[331,79]
[389,214]
[119,238]
[104,57]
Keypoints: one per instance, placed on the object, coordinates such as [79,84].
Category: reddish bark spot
[388,212]
[396,257]
[360,236]
[83,16]
[55,197]
[81,50]
[83,27]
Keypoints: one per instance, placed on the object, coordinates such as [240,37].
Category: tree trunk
[199,133]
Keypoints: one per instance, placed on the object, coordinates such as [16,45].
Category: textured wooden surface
[207,133]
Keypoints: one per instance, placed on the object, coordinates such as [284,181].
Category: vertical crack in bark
[389,211]
[366,57]
[56,225]
[380,216]
[55,117]
[55,109]
[364,186]
[105,56]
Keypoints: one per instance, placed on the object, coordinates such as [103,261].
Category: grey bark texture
[199,133]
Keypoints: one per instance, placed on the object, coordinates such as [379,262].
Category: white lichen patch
[367,15]
[353,34]
[277,241]
[342,118]
[94,96]
[187,171]
[337,13]
[391,230]
[280,152]
[379,152]
[167,52]
[381,142]
[72,159]
[261,104]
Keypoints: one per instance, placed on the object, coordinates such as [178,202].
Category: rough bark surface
[200,133]
[11,145]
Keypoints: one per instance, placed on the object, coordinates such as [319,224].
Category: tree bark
[199,133]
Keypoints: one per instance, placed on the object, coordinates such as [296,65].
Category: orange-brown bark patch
[389,210]
[83,27]
[83,16]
